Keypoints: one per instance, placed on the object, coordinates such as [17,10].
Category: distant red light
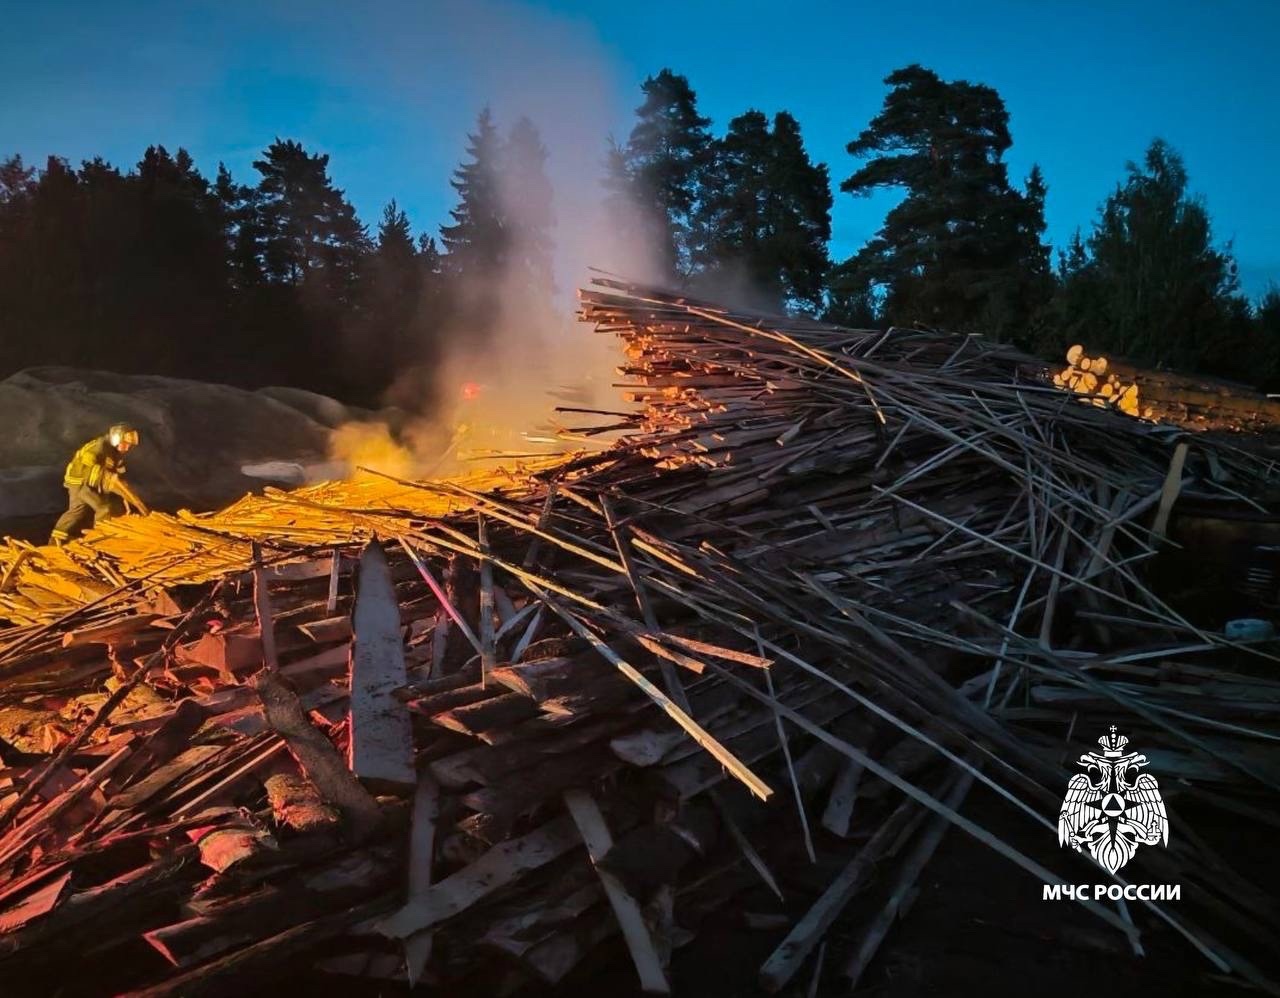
[470,390]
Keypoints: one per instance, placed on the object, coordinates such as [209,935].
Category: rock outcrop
[202,444]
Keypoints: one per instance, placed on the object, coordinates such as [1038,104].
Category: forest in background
[275,280]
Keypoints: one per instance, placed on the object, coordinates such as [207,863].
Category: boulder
[197,438]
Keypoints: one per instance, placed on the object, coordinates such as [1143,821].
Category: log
[320,761]
[297,804]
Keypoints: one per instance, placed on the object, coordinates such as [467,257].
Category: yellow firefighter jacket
[94,464]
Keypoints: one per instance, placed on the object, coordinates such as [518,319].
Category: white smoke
[554,71]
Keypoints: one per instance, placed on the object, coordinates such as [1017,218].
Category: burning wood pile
[520,731]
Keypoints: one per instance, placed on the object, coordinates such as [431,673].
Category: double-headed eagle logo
[1112,808]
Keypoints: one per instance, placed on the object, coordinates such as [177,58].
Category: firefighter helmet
[123,436]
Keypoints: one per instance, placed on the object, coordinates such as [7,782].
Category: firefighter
[95,482]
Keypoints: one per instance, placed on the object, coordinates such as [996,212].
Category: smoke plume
[494,390]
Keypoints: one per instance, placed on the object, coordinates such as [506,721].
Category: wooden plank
[487,659]
[595,833]
[502,865]
[869,941]
[110,633]
[381,749]
[525,790]
[500,713]
[1172,486]
[809,931]
[422,847]
[164,776]
[264,958]
[549,677]
[223,786]
[553,958]
[335,569]
[34,905]
[445,603]
[262,610]
[516,934]
[328,629]
[325,664]
[726,758]
[839,811]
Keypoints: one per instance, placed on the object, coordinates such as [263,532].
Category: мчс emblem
[1112,808]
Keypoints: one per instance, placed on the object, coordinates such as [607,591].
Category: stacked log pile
[1094,377]
[1193,403]
[497,733]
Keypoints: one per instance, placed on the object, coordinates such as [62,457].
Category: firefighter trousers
[85,507]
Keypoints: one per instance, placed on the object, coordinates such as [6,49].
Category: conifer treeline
[160,270]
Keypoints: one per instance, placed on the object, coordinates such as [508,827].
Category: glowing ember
[470,390]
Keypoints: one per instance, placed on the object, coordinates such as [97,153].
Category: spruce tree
[475,243]
[528,218]
[655,180]
[1149,284]
[395,236]
[765,216]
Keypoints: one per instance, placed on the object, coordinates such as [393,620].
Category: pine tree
[17,190]
[962,249]
[58,269]
[242,232]
[179,265]
[309,229]
[765,216]
[655,181]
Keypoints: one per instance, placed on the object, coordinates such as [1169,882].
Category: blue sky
[390,88]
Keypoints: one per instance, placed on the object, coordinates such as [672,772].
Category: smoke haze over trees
[272,279]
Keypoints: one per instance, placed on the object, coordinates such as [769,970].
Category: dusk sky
[389,89]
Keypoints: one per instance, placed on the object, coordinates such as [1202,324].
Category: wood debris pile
[501,733]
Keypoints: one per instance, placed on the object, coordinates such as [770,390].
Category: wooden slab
[595,833]
[381,732]
[500,866]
